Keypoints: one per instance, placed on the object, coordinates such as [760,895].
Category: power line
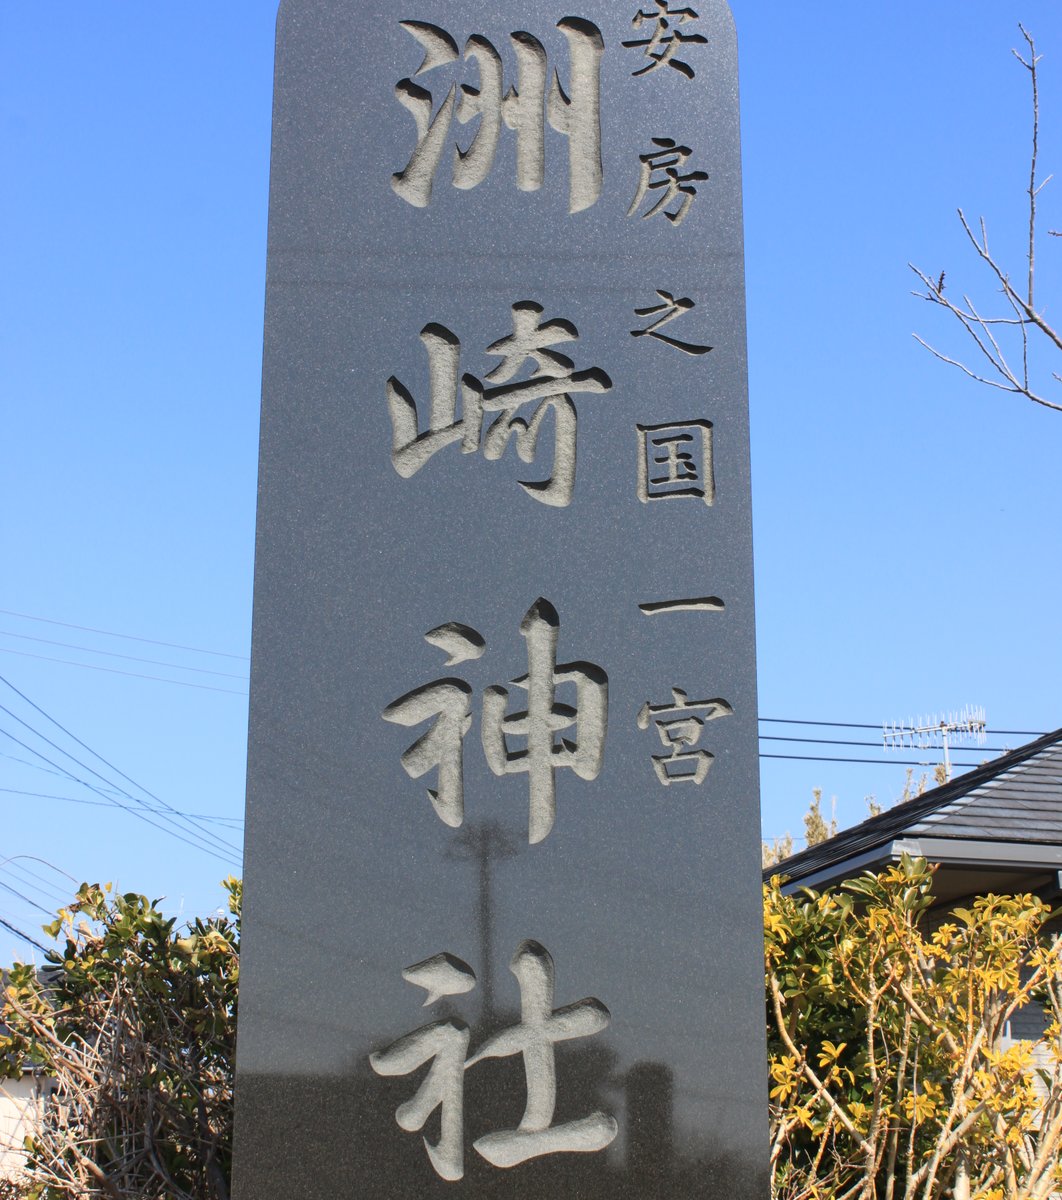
[32,903]
[765,737]
[128,636]
[92,771]
[59,774]
[24,936]
[43,861]
[878,725]
[834,724]
[66,662]
[154,662]
[877,762]
[136,812]
[106,762]
[244,658]
[47,890]
[109,803]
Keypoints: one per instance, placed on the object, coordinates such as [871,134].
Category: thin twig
[1030,66]
[1026,317]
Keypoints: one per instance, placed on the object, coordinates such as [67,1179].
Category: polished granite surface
[502,926]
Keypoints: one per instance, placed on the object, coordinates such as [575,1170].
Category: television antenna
[937,732]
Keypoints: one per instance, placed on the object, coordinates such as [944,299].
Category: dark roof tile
[1014,798]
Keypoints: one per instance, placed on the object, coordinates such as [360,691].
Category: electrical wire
[25,762]
[48,891]
[111,799]
[833,724]
[880,726]
[128,636]
[244,658]
[44,863]
[108,803]
[203,833]
[154,662]
[84,745]
[24,936]
[66,662]
[32,903]
[765,737]
[136,812]
[877,762]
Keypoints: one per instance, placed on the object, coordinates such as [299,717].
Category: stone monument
[503,927]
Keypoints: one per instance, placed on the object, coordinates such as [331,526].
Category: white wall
[20,1101]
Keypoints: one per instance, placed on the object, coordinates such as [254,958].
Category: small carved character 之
[540,756]
[669,310]
[665,40]
[675,460]
[445,1045]
[449,702]
[575,113]
[530,372]
[662,180]
[680,725]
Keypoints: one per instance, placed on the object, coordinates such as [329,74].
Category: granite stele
[503,927]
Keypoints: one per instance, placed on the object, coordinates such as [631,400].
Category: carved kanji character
[675,461]
[541,1027]
[444,1044]
[679,726]
[670,309]
[530,341]
[450,702]
[665,40]
[575,113]
[541,756]
[661,173]
[549,386]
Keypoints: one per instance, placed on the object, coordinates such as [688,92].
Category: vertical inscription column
[503,720]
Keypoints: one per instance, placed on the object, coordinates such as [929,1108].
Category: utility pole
[483,842]
[937,732]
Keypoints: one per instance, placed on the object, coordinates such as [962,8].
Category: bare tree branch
[1026,317]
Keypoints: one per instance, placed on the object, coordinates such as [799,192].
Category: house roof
[1003,815]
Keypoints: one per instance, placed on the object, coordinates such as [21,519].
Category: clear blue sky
[906,520]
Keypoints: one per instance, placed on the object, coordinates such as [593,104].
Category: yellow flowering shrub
[892,1073]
